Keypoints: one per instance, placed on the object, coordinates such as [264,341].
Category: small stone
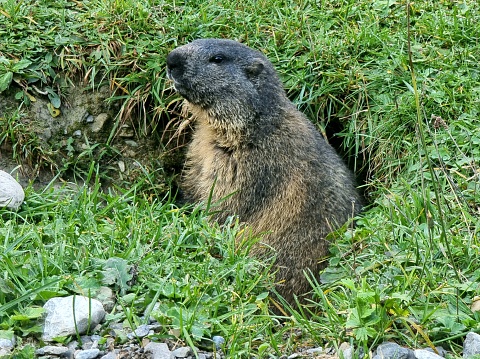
[182,352]
[158,350]
[99,121]
[11,193]
[140,332]
[121,165]
[314,350]
[89,119]
[59,320]
[346,349]
[440,351]
[471,345]
[393,351]
[107,297]
[111,355]
[87,354]
[426,354]
[475,307]
[219,341]
[126,132]
[51,350]
[77,133]
[131,143]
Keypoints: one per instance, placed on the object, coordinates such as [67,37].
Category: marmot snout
[262,157]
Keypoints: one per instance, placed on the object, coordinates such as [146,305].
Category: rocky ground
[42,145]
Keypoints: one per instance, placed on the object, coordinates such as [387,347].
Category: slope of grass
[408,272]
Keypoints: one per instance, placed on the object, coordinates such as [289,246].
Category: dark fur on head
[251,141]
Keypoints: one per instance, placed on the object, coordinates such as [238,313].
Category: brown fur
[260,153]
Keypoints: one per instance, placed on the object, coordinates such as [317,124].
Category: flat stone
[158,350]
[110,355]
[426,354]
[140,332]
[87,354]
[51,350]
[182,352]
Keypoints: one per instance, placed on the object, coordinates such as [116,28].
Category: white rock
[426,354]
[471,345]
[158,350]
[59,321]
[51,350]
[11,193]
[87,354]
[475,304]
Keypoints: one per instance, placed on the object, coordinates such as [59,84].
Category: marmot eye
[217,59]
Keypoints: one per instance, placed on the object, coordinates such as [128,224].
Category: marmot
[259,157]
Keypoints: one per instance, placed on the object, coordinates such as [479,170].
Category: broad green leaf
[5,80]
[20,65]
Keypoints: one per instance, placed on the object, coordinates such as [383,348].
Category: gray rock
[59,320]
[471,345]
[158,350]
[90,341]
[140,332]
[426,354]
[346,350]
[87,354]
[11,193]
[107,297]
[393,351]
[181,352]
[475,307]
[7,342]
[218,341]
[51,350]
[440,351]
[99,121]
[314,350]
[110,355]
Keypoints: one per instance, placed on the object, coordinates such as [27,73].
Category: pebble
[141,331]
[158,350]
[11,193]
[390,350]
[314,350]
[182,352]
[111,355]
[219,341]
[471,345]
[6,345]
[51,350]
[87,354]
[426,354]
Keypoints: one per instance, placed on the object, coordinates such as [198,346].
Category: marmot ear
[255,67]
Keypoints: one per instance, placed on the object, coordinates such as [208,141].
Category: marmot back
[254,148]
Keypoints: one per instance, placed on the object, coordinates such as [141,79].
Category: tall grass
[394,87]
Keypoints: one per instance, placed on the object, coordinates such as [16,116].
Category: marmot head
[228,80]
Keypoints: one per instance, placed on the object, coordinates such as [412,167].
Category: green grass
[409,271]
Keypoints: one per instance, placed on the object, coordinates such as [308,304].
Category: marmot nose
[175,60]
